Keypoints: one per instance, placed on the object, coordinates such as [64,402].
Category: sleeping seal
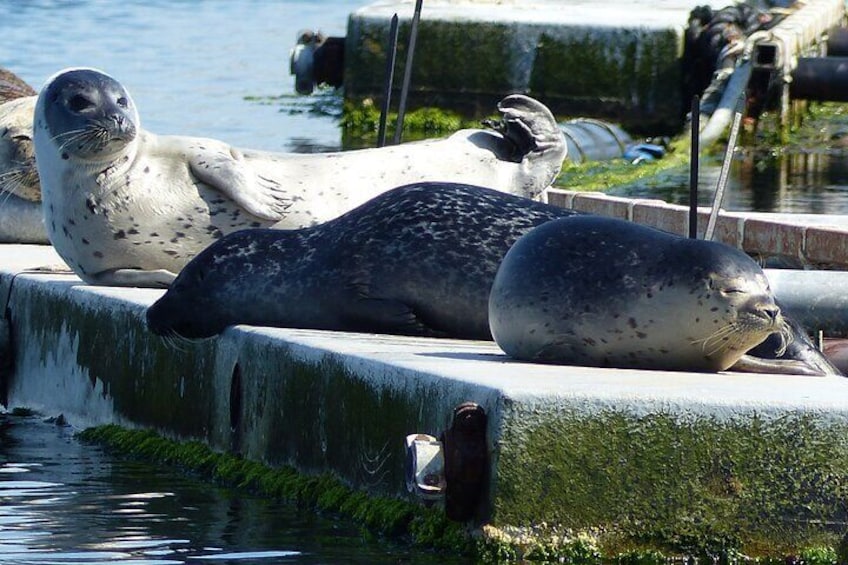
[604,292]
[124,206]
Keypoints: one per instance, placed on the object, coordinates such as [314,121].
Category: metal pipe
[407,71]
[391,55]
[724,174]
[837,42]
[820,78]
[694,157]
[723,114]
[818,300]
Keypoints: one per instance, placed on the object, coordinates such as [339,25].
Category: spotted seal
[605,292]
[417,260]
[20,192]
[124,206]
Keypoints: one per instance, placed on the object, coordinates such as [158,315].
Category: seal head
[88,114]
[609,293]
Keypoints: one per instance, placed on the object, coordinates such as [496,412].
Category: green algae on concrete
[626,75]
[762,486]
[323,492]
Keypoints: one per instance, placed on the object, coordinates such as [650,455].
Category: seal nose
[770,311]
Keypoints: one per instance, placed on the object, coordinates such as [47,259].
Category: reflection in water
[809,182]
[62,502]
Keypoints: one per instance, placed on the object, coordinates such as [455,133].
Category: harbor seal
[20,193]
[604,292]
[417,260]
[124,206]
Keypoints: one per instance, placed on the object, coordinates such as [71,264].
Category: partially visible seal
[126,207]
[20,193]
[12,86]
[604,292]
[417,260]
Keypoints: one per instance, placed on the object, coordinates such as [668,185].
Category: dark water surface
[63,502]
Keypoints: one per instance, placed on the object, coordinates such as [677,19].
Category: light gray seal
[20,193]
[604,292]
[124,206]
[417,260]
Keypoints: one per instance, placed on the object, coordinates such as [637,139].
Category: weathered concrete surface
[613,59]
[671,460]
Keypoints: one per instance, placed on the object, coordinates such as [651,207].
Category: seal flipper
[220,167]
[531,128]
[159,278]
[384,315]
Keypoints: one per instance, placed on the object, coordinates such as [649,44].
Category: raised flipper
[531,129]
[225,169]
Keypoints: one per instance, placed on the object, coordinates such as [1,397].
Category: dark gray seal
[417,260]
[604,292]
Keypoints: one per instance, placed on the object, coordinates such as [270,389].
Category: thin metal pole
[725,170]
[407,71]
[391,55]
[694,165]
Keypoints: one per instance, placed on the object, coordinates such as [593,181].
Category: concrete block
[599,203]
[674,219]
[634,458]
[824,245]
[581,59]
[773,238]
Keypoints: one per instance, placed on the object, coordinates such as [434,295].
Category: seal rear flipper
[223,168]
[379,315]
[531,128]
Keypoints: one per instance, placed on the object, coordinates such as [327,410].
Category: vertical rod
[725,169]
[694,165]
[407,71]
[391,55]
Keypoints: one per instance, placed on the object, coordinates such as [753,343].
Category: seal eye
[78,103]
[122,102]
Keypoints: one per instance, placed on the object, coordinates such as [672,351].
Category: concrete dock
[614,60]
[631,459]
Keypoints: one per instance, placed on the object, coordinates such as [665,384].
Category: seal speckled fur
[605,292]
[126,207]
[20,193]
[417,260]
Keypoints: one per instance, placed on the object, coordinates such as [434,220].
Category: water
[64,503]
[210,69]
[812,182]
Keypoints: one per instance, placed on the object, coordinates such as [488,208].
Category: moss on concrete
[760,486]
[439,70]
[323,492]
[148,380]
[361,120]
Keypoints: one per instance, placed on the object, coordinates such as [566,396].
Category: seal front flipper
[379,315]
[751,364]
[159,278]
[223,168]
